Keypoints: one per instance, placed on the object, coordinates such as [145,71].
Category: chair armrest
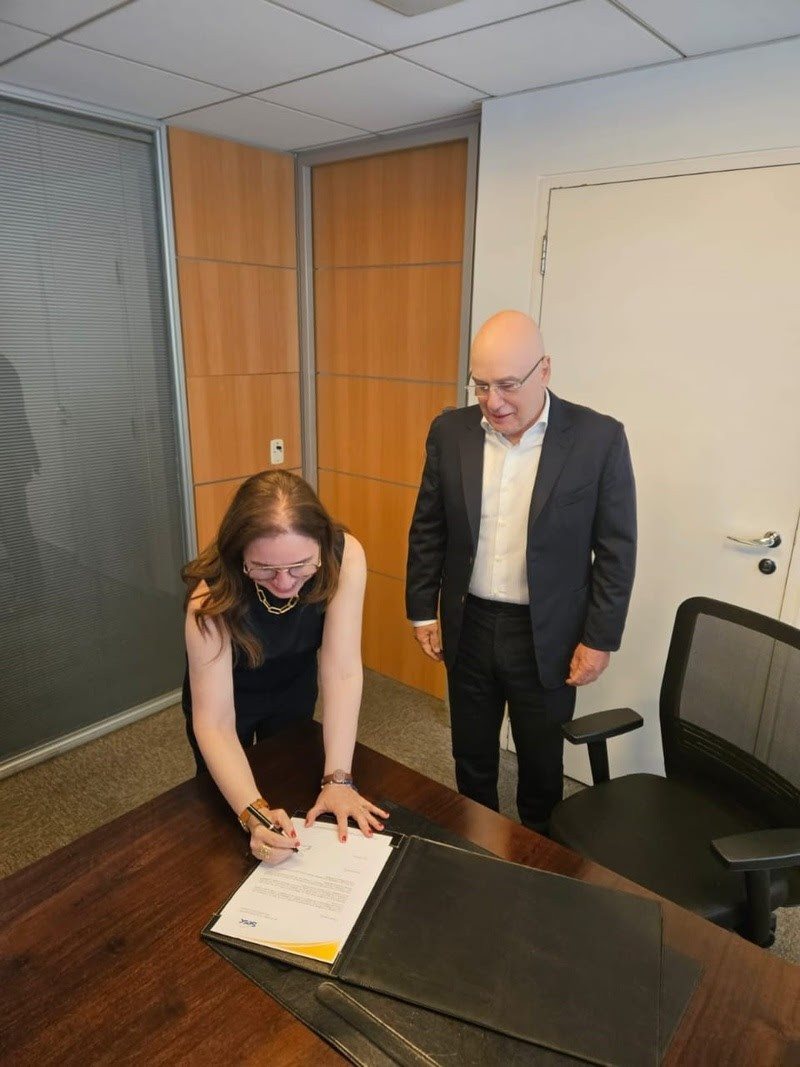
[756,854]
[601,725]
[593,730]
[759,850]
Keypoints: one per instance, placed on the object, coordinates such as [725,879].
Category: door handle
[771,539]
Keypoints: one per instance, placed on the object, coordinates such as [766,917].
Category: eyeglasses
[303,570]
[506,387]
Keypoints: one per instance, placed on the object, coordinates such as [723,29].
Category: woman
[281,582]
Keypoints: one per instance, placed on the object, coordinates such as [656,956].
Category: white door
[672,304]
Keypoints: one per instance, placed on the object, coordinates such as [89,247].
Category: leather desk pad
[377,1030]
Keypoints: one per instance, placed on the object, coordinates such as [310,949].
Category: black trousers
[250,732]
[495,665]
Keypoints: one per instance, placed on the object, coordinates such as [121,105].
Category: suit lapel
[555,449]
[471,450]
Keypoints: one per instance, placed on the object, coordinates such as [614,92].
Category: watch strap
[338,777]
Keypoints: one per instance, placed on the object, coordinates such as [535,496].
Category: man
[524,534]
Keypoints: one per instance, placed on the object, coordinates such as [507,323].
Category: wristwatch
[339,778]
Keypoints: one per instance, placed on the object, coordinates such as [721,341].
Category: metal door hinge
[543,261]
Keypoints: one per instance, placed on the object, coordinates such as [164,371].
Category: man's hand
[430,640]
[587,665]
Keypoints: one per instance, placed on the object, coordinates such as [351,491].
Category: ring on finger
[265,851]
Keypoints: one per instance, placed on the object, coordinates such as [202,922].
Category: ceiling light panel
[716,24]
[253,121]
[241,45]
[82,74]
[574,41]
[411,8]
[380,26]
[377,95]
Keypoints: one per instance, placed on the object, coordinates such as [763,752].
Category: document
[308,904]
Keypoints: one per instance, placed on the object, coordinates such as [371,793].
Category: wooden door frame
[465,130]
[783,157]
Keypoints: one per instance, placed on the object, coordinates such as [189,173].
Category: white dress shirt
[509,471]
[500,571]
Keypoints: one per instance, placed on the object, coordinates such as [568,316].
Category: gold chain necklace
[262,596]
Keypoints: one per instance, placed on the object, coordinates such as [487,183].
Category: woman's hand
[270,847]
[343,801]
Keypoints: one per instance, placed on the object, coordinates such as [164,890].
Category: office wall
[235,239]
[388,251]
[742,101]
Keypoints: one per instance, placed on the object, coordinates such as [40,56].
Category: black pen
[270,825]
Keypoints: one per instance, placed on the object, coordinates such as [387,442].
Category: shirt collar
[538,427]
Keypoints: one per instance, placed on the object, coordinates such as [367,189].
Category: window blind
[90,510]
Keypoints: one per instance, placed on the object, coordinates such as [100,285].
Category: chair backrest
[730,706]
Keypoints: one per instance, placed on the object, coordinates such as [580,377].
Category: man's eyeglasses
[303,570]
[506,387]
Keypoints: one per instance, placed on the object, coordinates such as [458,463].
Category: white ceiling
[377,95]
[292,74]
[577,40]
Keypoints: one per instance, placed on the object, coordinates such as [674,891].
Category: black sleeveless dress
[284,689]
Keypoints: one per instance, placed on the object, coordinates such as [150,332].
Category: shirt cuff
[423,622]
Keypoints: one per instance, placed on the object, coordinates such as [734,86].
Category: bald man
[523,542]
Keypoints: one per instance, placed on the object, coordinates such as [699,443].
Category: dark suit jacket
[581,535]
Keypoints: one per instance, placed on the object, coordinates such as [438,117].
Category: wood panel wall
[388,251]
[235,236]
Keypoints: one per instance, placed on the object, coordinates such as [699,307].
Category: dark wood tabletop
[101,960]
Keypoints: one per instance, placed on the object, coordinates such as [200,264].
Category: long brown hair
[269,503]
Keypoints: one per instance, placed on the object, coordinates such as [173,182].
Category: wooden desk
[101,962]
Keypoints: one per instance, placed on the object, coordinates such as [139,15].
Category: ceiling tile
[576,40]
[240,44]
[14,40]
[255,122]
[389,29]
[377,94]
[83,74]
[716,24]
[52,17]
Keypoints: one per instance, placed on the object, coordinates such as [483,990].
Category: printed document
[308,904]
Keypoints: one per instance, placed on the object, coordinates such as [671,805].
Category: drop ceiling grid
[290,74]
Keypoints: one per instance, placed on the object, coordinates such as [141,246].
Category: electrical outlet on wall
[276,450]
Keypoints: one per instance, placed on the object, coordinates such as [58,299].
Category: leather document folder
[413,1036]
[536,957]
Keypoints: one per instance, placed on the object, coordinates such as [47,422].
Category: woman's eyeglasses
[302,570]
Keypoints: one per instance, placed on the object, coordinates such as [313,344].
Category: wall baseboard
[61,745]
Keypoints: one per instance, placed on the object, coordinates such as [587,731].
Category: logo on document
[248,922]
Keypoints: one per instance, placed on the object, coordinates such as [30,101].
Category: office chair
[719,835]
